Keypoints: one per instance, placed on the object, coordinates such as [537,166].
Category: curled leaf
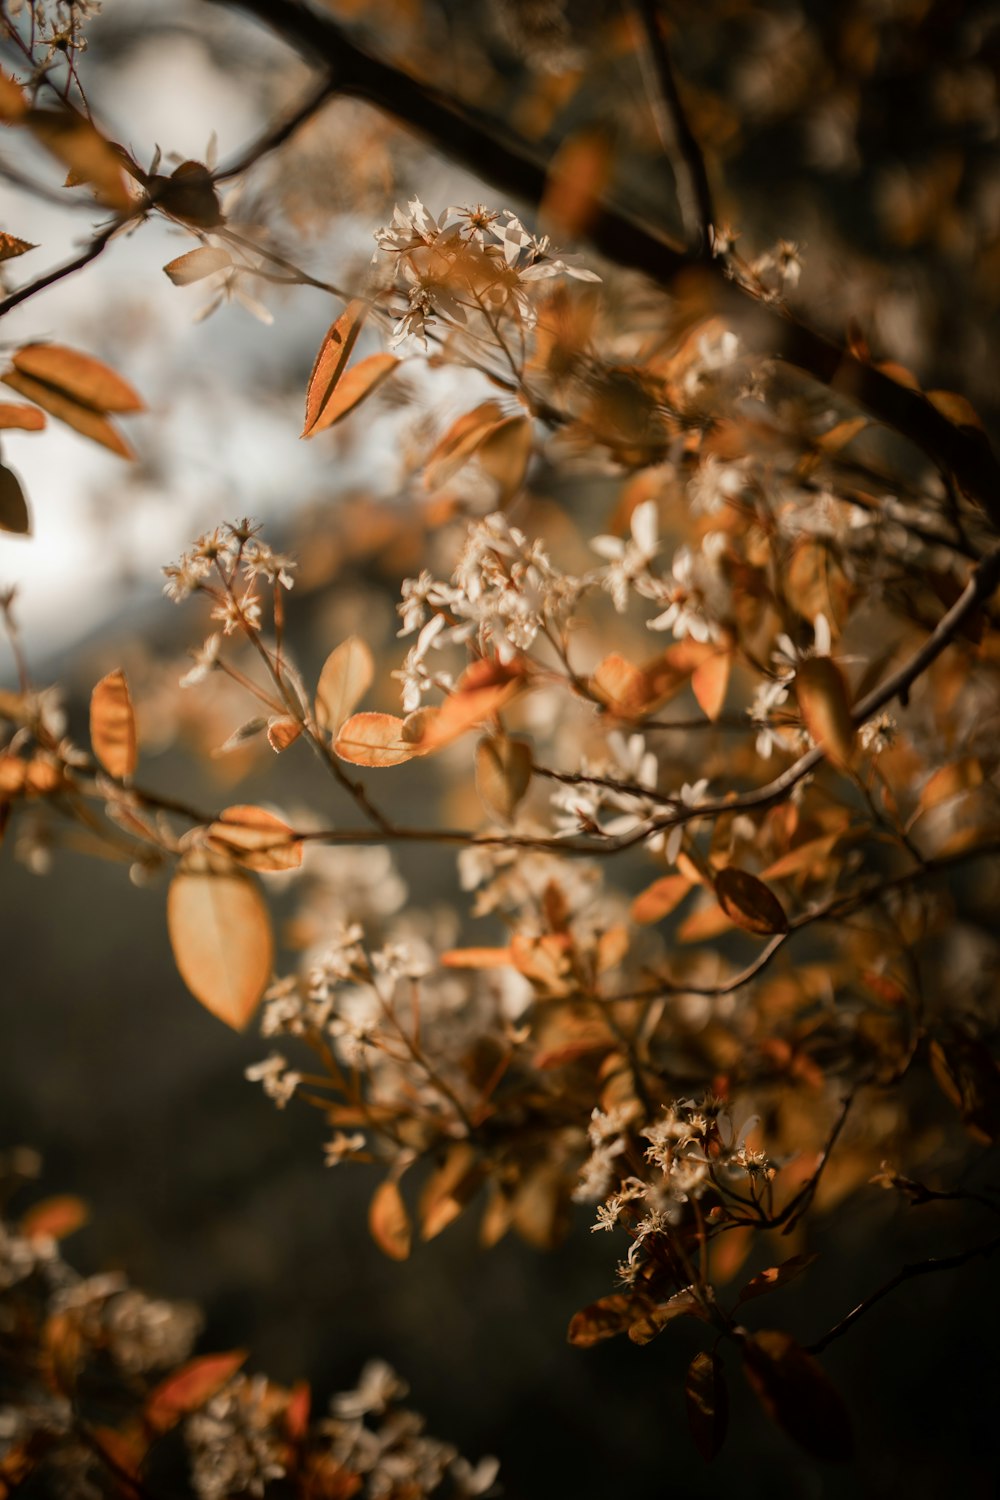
[330,364]
[112,725]
[79,146]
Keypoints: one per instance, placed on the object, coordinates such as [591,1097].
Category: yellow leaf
[825,706]
[220,934]
[353,387]
[389,1222]
[112,725]
[347,675]
[749,903]
[256,838]
[371,739]
[83,419]
[331,362]
[14,514]
[78,376]
[503,774]
[83,151]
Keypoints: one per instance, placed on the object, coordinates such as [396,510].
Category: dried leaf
[83,419]
[660,899]
[282,732]
[683,1304]
[825,705]
[25,418]
[14,514]
[709,682]
[11,246]
[372,739]
[347,674]
[483,688]
[706,1398]
[968,1075]
[459,443]
[13,101]
[449,1189]
[54,1218]
[749,903]
[112,725]
[188,194]
[775,1276]
[79,376]
[796,1393]
[189,1388]
[256,838]
[220,934]
[951,781]
[83,151]
[331,362]
[601,1320]
[389,1222]
[197,264]
[354,386]
[957,409]
[503,774]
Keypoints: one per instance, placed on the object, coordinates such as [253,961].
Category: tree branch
[482,146]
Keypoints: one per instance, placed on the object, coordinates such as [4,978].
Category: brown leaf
[601,1320]
[331,362]
[26,418]
[347,674]
[195,265]
[189,1388]
[371,739]
[112,725]
[13,101]
[83,419]
[389,1222]
[14,514]
[54,1218]
[220,934]
[83,151]
[706,1398]
[11,246]
[683,1304]
[968,1075]
[749,903]
[459,443]
[503,774]
[448,1190]
[825,705]
[188,194]
[353,387]
[256,838]
[505,452]
[797,1394]
[660,899]
[775,1276]
[78,376]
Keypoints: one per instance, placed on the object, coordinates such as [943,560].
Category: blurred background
[866,136]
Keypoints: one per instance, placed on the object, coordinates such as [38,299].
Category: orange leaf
[190,1387]
[459,443]
[825,705]
[660,899]
[347,675]
[14,515]
[448,1190]
[331,362]
[26,418]
[749,903]
[372,739]
[578,175]
[354,387]
[282,732]
[220,934]
[389,1222]
[83,151]
[82,418]
[482,689]
[475,958]
[13,103]
[709,682]
[79,376]
[54,1218]
[112,725]
[256,838]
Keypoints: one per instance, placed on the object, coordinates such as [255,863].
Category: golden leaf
[112,725]
[372,739]
[188,194]
[389,1222]
[78,376]
[347,674]
[256,838]
[578,176]
[331,362]
[13,103]
[353,387]
[220,934]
